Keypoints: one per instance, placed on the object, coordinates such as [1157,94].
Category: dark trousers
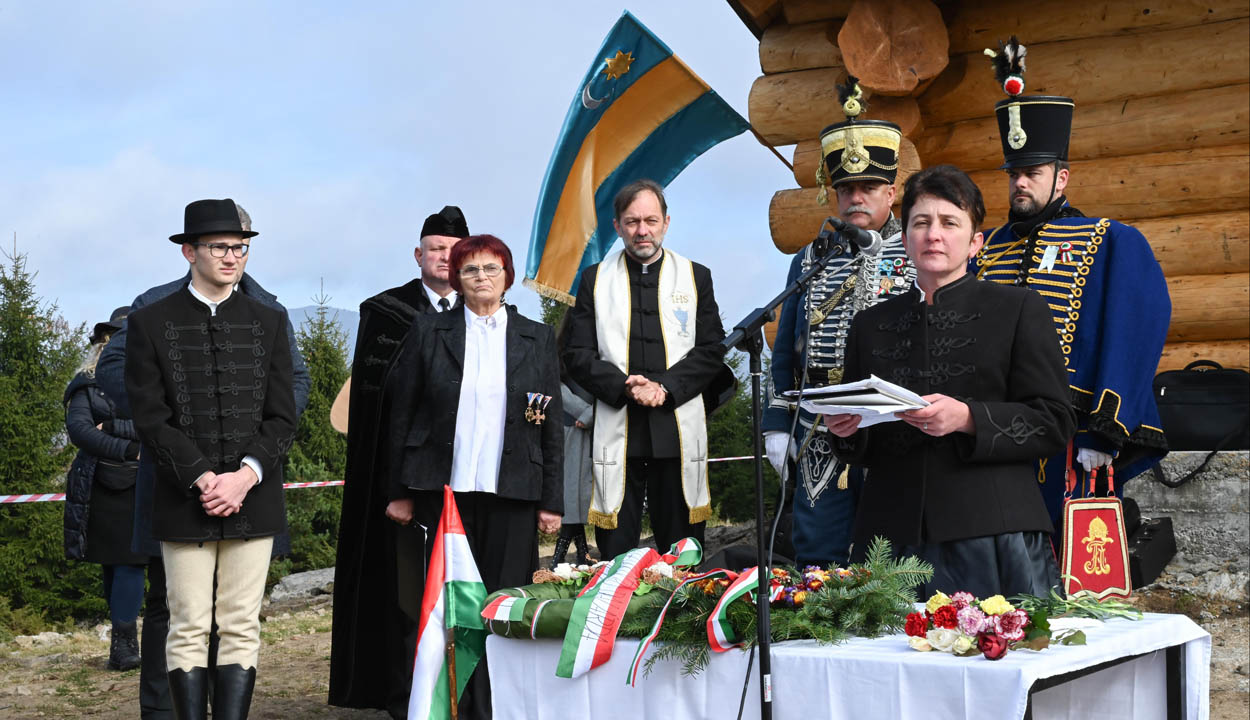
[154,702]
[503,535]
[657,484]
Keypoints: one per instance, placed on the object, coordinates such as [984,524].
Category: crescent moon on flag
[589,101]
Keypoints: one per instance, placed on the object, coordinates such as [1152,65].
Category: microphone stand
[748,336]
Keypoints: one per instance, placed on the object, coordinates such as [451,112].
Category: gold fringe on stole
[701,513]
[549,292]
[842,480]
[607,521]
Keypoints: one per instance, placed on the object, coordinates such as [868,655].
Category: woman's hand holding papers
[843,425]
[942,416]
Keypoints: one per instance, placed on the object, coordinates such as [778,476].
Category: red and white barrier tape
[60,497]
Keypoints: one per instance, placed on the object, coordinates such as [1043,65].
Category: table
[1121,673]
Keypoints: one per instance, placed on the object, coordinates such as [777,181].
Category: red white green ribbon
[505,609]
[720,634]
[686,552]
[598,611]
[655,629]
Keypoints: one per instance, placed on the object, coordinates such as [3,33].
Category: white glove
[776,445]
[1089,459]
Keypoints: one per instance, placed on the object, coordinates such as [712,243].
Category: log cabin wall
[1159,138]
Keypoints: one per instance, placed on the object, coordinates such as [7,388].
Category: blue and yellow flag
[640,112]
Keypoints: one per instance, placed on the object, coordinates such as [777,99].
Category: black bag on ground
[1150,549]
[1203,407]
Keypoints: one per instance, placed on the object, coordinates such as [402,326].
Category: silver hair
[245,220]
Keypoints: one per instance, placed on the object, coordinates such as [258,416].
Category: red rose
[991,645]
[917,625]
[946,617]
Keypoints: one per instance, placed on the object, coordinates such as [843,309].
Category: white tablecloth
[868,679]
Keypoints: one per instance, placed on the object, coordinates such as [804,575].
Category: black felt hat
[1034,129]
[857,149]
[204,217]
[113,324]
[449,222]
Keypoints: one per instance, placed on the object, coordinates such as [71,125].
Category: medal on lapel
[541,413]
[531,403]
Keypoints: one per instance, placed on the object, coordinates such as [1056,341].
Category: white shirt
[483,403]
[248,460]
[435,297]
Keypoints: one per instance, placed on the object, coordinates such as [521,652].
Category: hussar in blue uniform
[860,161]
[1100,278]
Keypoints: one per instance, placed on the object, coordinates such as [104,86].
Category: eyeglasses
[218,250]
[487,270]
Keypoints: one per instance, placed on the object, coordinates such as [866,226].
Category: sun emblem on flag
[618,65]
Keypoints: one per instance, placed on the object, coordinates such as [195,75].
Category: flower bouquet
[965,626]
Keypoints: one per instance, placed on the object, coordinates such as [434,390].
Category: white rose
[962,645]
[662,568]
[919,643]
[565,571]
[943,639]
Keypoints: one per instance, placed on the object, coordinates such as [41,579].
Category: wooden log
[800,47]
[1209,307]
[757,15]
[1098,70]
[1203,118]
[1156,185]
[1161,185]
[795,217]
[1229,353]
[893,46]
[978,24]
[807,157]
[1209,244]
[788,107]
[805,11]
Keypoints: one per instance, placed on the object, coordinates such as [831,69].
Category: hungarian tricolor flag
[450,611]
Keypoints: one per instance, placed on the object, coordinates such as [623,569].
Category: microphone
[868,242]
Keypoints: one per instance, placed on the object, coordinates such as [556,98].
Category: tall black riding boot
[562,549]
[124,647]
[583,549]
[189,691]
[232,691]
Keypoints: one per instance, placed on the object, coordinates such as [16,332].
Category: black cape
[370,665]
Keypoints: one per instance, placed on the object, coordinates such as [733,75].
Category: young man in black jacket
[209,379]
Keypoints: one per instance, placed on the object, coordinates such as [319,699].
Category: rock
[23,690]
[1242,669]
[103,631]
[41,640]
[303,585]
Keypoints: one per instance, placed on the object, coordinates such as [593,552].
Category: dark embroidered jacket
[206,392]
[992,347]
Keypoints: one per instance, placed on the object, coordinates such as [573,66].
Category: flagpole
[451,673]
[769,145]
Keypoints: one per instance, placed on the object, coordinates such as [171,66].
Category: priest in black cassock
[378,573]
[644,339]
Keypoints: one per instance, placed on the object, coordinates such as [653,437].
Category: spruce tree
[319,452]
[39,352]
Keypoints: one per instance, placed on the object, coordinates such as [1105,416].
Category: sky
[339,127]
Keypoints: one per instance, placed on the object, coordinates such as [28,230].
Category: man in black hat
[860,161]
[210,383]
[379,573]
[154,700]
[1105,289]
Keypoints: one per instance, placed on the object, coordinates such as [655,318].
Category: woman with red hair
[475,397]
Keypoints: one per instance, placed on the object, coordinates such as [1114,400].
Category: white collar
[435,297]
[212,305]
[499,318]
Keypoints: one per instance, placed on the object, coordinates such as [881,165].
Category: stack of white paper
[873,399]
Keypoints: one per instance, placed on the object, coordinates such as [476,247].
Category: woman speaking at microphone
[475,403]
